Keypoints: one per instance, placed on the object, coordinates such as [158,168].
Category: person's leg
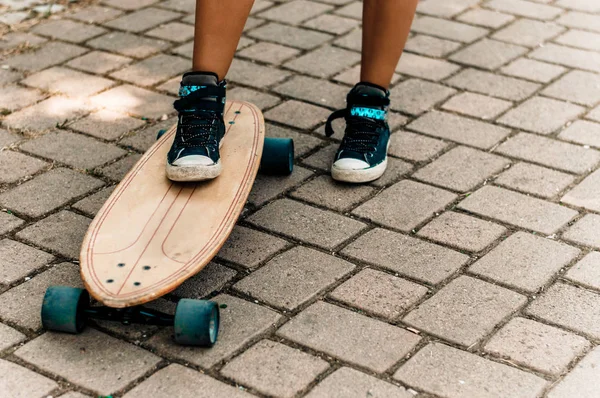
[362,155]
[194,155]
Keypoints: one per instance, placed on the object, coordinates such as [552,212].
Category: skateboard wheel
[196,322]
[278,156]
[160,134]
[63,309]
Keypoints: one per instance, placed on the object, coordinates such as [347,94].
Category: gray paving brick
[424,67]
[46,114]
[445,9]
[525,9]
[241,322]
[81,359]
[9,76]
[8,222]
[332,24]
[585,231]
[47,55]
[298,114]
[491,84]
[152,70]
[98,62]
[488,54]
[242,247]
[15,166]
[570,307]
[448,29]
[14,97]
[62,232]
[130,5]
[116,171]
[396,169]
[552,153]
[485,18]
[290,36]
[314,90]
[143,139]
[348,383]
[477,105]
[567,56]
[95,14]
[20,39]
[295,11]
[352,10]
[349,336]
[405,205]
[582,5]
[581,39]
[173,31]
[586,271]
[580,381]
[537,346]
[269,52]
[529,33]
[574,19]
[576,86]
[585,194]
[414,147]
[534,179]
[186,6]
[267,188]
[337,60]
[406,255]
[431,46]
[460,129]
[351,41]
[212,278]
[106,124]
[518,209]
[91,205]
[275,369]
[18,260]
[142,20]
[436,369]
[66,30]
[533,70]
[67,81]
[328,193]
[19,382]
[255,75]
[294,277]
[135,101]
[128,44]
[190,384]
[7,138]
[415,96]
[262,100]
[465,310]
[9,337]
[541,115]
[594,114]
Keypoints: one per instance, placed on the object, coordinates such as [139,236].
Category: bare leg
[219,25]
[386,24]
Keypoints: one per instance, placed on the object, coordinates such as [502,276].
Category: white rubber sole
[193,173]
[359,175]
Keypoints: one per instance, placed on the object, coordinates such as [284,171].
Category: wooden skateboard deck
[152,234]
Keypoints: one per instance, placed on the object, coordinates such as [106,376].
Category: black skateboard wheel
[278,156]
[63,309]
[196,322]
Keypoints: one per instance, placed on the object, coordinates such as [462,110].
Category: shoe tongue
[199,79]
[368,90]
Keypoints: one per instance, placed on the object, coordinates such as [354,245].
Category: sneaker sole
[360,175]
[193,173]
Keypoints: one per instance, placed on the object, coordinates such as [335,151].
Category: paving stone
[22,304]
[577,383]
[187,6]
[14,97]
[465,310]
[396,169]
[461,169]
[488,54]
[116,171]
[415,96]
[351,41]
[8,338]
[582,5]
[444,8]
[66,30]
[576,86]
[128,44]
[7,76]
[414,147]
[212,278]
[18,260]
[135,101]
[62,232]
[314,90]
[337,60]
[443,370]
[529,33]
[7,138]
[254,75]
[67,81]
[19,382]
[143,139]
[269,52]
[295,11]
[46,114]
[91,205]
[326,192]
[99,62]
[47,55]
[349,383]
[298,114]
[405,205]
[424,67]
[431,46]
[249,248]
[379,293]
[8,222]
[525,261]
[294,277]
[533,70]
[537,346]
[585,193]
[13,18]
[448,29]
[323,158]
[95,14]
[459,129]
[21,40]
[258,98]
[352,10]
[91,359]
[275,369]
[332,24]
[541,115]
[107,125]
[534,179]
[267,188]
[306,223]
[477,105]
[173,31]
[241,322]
[485,18]
[15,166]
[349,336]
[585,231]
[581,39]
[517,209]
[587,271]
[179,381]
[552,153]
[567,56]
[491,84]
[580,20]
[570,307]
[526,9]
[74,394]
[130,5]
[289,36]
[171,86]
[152,70]
[141,20]
[594,114]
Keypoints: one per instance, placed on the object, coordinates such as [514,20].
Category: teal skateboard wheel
[160,134]
[196,322]
[63,309]
[278,156]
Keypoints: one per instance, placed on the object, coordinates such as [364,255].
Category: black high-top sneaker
[362,155]
[194,155]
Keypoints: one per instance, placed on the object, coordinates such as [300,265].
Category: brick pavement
[469,270]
